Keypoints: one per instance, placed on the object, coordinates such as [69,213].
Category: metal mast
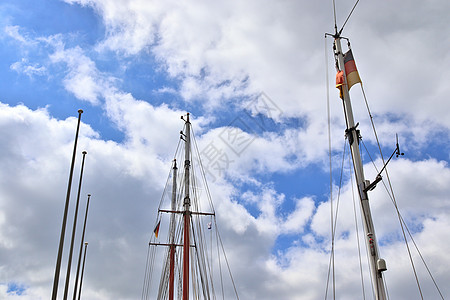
[377,264]
[81,248]
[75,218]
[187,212]
[66,208]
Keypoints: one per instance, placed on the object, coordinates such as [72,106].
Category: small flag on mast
[156,231]
[350,71]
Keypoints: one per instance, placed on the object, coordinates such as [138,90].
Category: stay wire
[145,274]
[330,161]
[392,194]
[406,226]
[226,260]
[203,173]
[357,234]
[334,225]
[348,17]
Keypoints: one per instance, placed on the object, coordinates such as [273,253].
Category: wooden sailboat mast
[187,213]
[187,274]
[377,264]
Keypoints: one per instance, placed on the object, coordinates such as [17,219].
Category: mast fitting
[349,133]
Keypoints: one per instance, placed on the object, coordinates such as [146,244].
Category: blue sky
[251,68]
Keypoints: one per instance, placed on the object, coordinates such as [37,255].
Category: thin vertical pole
[353,138]
[81,248]
[187,213]
[75,217]
[172,234]
[82,269]
[66,208]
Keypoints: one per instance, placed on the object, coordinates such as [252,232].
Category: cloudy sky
[259,69]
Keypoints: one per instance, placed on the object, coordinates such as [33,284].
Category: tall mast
[172,233]
[187,213]
[377,265]
[66,207]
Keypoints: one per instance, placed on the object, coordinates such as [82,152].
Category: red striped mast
[187,212]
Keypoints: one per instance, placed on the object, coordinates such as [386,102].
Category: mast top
[187,118]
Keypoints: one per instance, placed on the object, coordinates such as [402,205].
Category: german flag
[350,69]
[156,231]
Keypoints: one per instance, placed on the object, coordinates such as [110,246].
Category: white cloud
[83,78]
[297,219]
[220,52]
[13,32]
[28,69]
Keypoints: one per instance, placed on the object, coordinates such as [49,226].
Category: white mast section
[377,265]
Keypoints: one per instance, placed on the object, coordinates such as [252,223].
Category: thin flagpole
[69,265]
[66,208]
[81,249]
[82,270]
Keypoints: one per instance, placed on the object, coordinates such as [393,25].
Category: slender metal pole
[81,249]
[66,208]
[377,265]
[187,213]
[82,270]
[75,217]
[172,233]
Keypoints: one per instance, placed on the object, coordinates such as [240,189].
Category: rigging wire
[402,222]
[406,227]
[334,226]
[392,193]
[387,290]
[202,265]
[348,17]
[203,173]
[145,274]
[357,234]
[226,260]
[330,163]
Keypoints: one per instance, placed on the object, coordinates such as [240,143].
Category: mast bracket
[372,185]
[349,133]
